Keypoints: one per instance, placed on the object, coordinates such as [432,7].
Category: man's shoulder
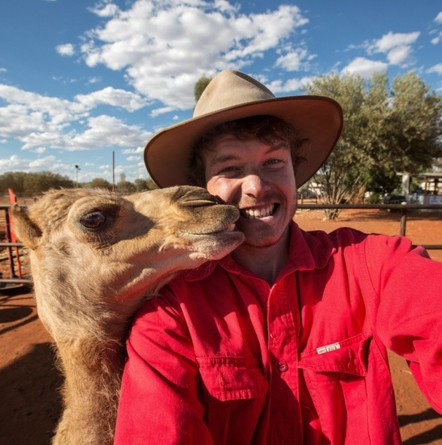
[346,239]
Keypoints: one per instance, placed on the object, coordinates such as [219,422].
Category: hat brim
[317,120]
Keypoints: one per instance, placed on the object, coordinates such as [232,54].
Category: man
[283,341]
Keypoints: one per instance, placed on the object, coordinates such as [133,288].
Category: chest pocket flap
[232,378]
[349,356]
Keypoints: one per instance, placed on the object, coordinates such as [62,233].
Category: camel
[95,258]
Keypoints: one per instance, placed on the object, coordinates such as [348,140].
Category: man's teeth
[261,212]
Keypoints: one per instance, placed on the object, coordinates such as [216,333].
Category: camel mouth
[199,202]
[221,237]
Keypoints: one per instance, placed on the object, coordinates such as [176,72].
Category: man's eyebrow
[220,159]
[278,146]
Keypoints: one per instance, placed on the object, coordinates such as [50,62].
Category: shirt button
[283,366]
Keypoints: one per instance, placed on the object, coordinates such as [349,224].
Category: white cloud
[392,40]
[162,110]
[12,163]
[133,158]
[399,54]
[364,67]
[112,96]
[45,108]
[166,46]
[396,46]
[131,151]
[435,69]
[102,131]
[293,60]
[105,9]
[48,122]
[290,86]
[436,31]
[66,49]
[15,163]
[106,131]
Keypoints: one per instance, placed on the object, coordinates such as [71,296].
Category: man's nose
[254,185]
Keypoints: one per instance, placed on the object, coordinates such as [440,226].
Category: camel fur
[95,257]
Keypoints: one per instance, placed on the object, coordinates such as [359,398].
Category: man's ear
[26,230]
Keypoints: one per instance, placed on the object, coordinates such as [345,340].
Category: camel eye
[93,220]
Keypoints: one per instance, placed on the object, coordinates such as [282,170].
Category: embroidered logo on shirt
[328,348]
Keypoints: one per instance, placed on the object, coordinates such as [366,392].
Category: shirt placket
[283,332]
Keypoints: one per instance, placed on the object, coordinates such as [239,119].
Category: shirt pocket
[336,375]
[345,359]
[232,378]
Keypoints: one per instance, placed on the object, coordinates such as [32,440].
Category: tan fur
[88,283]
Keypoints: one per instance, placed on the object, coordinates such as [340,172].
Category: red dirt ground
[29,380]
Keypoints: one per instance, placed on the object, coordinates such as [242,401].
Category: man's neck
[265,262]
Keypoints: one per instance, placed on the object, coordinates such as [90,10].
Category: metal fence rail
[403,208]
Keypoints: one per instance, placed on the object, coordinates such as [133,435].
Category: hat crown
[230,89]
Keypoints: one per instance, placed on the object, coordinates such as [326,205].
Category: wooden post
[404,222]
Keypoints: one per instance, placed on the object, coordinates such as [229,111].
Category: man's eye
[274,161]
[229,169]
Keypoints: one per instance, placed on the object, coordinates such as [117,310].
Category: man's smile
[258,212]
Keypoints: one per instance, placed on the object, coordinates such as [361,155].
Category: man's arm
[159,396]
[409,319]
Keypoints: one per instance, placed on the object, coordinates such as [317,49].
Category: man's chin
[262,242]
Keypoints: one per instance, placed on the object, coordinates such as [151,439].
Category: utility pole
[113,171]
[77,169]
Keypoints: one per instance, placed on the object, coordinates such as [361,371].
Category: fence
[403,208]
[14,263]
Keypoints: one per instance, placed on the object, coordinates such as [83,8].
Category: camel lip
[199,202]
[222,233]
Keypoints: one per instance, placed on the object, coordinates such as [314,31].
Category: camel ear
[27,232]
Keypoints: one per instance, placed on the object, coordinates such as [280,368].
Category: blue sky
[82,79]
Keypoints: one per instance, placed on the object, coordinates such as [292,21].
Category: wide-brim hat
[232,95]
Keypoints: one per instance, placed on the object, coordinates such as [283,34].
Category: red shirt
[221,357]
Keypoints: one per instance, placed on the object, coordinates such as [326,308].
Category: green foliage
[382,181]
[126,187]
[384,132]
[99,183]
[200,86]
[141,185]
[33,183]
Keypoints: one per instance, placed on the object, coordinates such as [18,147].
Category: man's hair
[267,129]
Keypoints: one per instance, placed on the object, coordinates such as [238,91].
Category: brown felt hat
[233,95]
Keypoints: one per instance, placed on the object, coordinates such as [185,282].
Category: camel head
[95,252]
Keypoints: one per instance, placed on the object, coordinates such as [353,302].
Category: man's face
[257,178]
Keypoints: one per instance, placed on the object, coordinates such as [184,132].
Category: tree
[200,86]
[141,185]
[415,122]
[100,183]
[384,132]
[342,175]
[125,187]
[33,183]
